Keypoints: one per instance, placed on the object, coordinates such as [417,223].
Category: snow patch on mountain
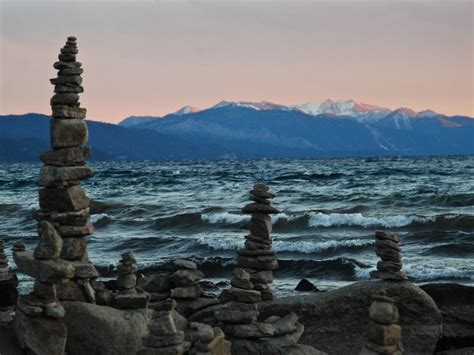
[259,106]
[186,109]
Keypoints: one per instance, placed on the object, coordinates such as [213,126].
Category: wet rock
[66,199]
[306,286]
[66,133]
[53,176]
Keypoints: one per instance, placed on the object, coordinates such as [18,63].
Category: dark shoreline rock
[456,303]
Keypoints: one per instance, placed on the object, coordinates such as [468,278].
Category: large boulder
[40,335]
[456,303]
[336,321]
[94,329]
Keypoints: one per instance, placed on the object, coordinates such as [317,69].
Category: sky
[146,57]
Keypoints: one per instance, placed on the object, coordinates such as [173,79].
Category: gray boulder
[336,321]
[103,330]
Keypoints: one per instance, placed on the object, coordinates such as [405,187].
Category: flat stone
[244,284]
[383,313]
[43,270]
[156,283]
[71,291]
[168,305]
[28,309]
[66,65]
[187,307]
[258,263]
[389,266]
[193,291]
[67,79]
[76,231]
[64,99]
[69,50]
[386,275]
[50,243]
[62,217]
[260,200]
[66,199]
[387,244]
[126,269]
[54,176]
[246,252]
[256,330]
[67,57]
[384,334]
[163,325]
[262,194]
[73,248]
[256,239]
[71,71]
[84,270]
[260,208]
[160,341]
[285,325]
[249,245]
[205,332]
[63,111]
[245,296]
[260,286]
[186,277]
[237,313]
[389,255]
[137,301]
[66,133]
[383,235]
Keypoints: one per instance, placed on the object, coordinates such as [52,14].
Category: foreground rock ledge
[336,321]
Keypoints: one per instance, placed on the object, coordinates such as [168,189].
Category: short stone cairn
[181,283]
[206,340]
[8,281]
[62,201]
[257,257]
[387,246]
[129,296]
[384,335]
[166,331]
[38,321]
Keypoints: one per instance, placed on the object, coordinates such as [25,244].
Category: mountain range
[256,130]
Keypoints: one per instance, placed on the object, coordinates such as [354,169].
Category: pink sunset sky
[153,57]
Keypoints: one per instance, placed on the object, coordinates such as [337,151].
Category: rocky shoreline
[71,310]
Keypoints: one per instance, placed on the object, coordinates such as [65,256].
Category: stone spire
[384,335]
[387,246]
[63,203]
[258,258]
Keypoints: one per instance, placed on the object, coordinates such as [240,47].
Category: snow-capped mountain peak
[262,105]
[186,109]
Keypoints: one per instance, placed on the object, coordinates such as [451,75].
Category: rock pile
[384,335]
[206,340]
[38,321]
[249,285]
[62,201]
[8,281]
[166,331]
[258,258]
[179,282]
[387,246]
[128,297]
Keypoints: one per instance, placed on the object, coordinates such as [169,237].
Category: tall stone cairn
[384,335]
[63,203]
[8,281]
[387,246]
[257,257]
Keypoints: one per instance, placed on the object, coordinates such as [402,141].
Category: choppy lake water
[330,210]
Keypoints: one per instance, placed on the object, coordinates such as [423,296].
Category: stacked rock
[206,340]
[8,281]
[62,201]
[387,246]
[128,297]
[384,335]
[179,282]
[258,258]
[39,313]
[166,331]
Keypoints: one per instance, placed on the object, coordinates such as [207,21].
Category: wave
[357,219]
[101,220]
[310,176]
